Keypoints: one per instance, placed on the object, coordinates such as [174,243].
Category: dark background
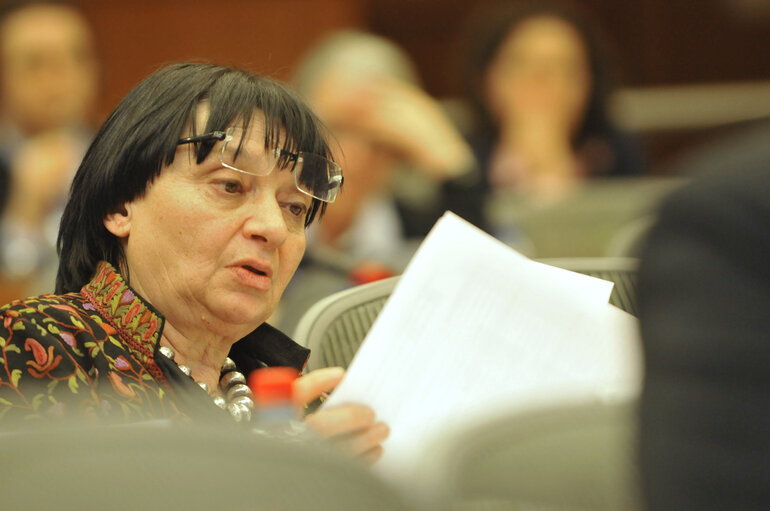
[653,42]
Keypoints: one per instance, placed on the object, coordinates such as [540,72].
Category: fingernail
[383,429]
[369,415]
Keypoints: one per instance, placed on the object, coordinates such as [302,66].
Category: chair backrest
[584,224]
[621,271]
[335,327]
[572,455]
[162,467]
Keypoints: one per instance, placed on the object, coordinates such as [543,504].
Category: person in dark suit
[704,310]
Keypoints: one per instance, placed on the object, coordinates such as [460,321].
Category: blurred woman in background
[538,83]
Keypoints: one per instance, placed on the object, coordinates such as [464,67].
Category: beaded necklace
[232,395]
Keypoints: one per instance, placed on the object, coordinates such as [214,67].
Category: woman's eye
[231,187]
[297,209]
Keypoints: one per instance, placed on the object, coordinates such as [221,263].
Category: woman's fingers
[372,455]
[340,420]
[352,429]
[312,385]
[363,441]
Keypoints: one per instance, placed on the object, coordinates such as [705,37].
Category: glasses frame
[297,157]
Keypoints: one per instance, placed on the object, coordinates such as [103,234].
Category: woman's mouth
[254,274]
[254,270]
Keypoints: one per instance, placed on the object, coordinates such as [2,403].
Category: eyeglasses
[313,174]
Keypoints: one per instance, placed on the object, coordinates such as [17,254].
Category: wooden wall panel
[265,36]
[651,42]
[654,42]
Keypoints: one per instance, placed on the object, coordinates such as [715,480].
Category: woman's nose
[265,221]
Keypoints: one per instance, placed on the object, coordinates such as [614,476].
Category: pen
[313,405]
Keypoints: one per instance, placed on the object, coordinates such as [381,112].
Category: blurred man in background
[396,145]
[48,88]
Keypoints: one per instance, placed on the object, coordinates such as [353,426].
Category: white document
[474,327]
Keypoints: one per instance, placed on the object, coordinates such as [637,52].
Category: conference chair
[335,326]
[573,455]
[630,239]
[160,466]
[587,223]
[621,271]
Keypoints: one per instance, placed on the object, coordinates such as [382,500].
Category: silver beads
[228,366]
[238,390]
[240,412]
[243,400]
[236,396]
[233,385]
[167,352]
[231,378]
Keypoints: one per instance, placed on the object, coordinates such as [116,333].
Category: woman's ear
[118,222]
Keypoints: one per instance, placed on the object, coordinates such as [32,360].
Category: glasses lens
[314,175]
[318,177]
[247,154]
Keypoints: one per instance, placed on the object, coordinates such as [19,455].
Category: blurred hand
[398,116]
[352,428]
[41,174]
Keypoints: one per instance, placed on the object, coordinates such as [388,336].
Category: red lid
[272,385]
[370,272]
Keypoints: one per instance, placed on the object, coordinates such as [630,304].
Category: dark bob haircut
[487,32]
[140,137]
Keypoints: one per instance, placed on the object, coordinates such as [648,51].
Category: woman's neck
[203,353]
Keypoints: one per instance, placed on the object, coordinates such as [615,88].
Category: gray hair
[359,55]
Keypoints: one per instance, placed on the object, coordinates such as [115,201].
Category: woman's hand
[350,427]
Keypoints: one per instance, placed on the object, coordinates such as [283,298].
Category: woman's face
[540,71]
[213,247]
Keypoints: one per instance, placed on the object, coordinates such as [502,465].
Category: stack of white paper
[474,328]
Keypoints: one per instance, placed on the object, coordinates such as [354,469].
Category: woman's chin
[242,312]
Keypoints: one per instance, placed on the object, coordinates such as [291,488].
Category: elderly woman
[186,221]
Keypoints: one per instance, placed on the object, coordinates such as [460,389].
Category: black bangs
[287,117]
[289,123]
